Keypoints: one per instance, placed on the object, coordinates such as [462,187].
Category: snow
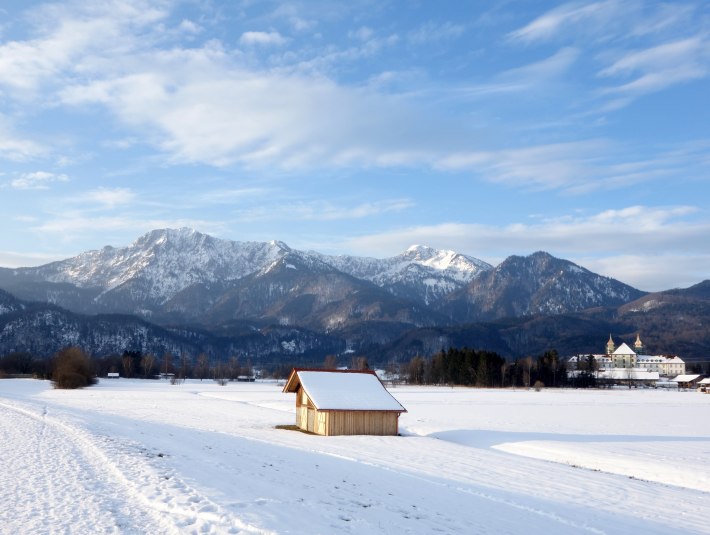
[347,391]
[131,456]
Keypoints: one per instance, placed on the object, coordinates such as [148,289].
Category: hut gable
[330,402]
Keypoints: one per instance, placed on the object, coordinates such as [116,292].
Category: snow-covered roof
[623,349]
[686,378]
[705,381]
[343,390]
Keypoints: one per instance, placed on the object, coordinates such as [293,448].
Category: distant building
[615,360]
[688,381]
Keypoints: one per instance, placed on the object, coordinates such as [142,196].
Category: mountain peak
[278,244]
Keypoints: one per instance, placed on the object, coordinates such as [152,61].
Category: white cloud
[661,66]
[12,259]
[322,210]
[233,195]
[432,32]
[230,115]
[13,147]
[64,34]
[567,18]
[363,33]
[578,168]
[37,180]
[262,39]
[19,150]
[108,197]
[72,226]
[555,166]
[558,63]
[652,272]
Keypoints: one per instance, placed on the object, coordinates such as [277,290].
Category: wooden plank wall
[361,423]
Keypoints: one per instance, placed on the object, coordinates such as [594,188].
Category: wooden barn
[343,402]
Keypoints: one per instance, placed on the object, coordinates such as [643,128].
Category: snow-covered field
[149,457]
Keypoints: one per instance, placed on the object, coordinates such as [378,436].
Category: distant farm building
[343,402]
[688,381]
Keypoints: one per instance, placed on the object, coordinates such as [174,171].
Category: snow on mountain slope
[162,263]
[536,284]
[166,260]
[420,272]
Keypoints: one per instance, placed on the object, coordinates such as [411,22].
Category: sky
[362,127]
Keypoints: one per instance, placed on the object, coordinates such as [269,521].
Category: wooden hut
[343,402]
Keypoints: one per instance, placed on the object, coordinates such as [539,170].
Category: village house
[343,402]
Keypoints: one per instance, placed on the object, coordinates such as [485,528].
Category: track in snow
[56,478]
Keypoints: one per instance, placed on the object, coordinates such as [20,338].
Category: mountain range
[184,291]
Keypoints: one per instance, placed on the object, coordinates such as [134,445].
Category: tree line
[68,366]
[470,367]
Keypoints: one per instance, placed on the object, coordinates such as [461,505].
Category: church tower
[638,345]
[610,346]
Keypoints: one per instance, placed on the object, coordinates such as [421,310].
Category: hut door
[310,426]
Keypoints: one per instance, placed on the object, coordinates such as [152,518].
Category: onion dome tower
[638,345]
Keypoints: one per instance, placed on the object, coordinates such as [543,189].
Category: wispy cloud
[579,168]
[432,32]
[232,195]
[16,148]
[107,197]
[231,115]
[660,66]
[262,39]
[321,210]
[72,226]
[64,34]
[567,18]
[13,259]
[37,180]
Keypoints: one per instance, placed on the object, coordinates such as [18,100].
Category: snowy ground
[150,457]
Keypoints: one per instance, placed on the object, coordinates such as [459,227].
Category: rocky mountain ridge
[231,293]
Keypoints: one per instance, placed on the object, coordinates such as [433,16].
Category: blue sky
[363,127]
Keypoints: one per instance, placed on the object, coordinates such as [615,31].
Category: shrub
[539,385]
[72,369]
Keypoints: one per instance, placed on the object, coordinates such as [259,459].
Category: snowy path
[56,481]
[57,478]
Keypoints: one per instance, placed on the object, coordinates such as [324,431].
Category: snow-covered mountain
[186,277]
[166,261]
[535,284]
[182,275]
[266,299]
[420,273]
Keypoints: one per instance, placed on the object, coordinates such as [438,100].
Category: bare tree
[167,365]
[202,368]
[360,363]
[148,363]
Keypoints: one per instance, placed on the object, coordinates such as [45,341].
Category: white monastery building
[619,360]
